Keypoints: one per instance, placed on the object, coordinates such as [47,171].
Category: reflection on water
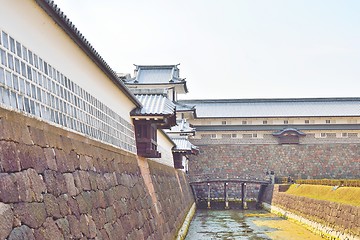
[236,224]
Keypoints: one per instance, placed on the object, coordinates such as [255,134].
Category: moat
[248,224]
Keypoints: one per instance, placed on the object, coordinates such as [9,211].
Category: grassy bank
[345,195]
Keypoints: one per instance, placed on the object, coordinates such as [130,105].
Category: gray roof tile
[183,144]
[302,107]
[156,74]
[154,105]
[64,22]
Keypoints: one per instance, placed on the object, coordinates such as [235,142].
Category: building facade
[300,138]
[157,87]
[56,75]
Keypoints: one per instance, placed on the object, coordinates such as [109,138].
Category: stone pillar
[226,196]
[208,197]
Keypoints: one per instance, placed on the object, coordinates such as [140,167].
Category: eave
[308,127]
[60,19]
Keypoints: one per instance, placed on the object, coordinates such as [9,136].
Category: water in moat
[238,224]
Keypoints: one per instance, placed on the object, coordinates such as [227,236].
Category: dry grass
[345,195]
[285,230]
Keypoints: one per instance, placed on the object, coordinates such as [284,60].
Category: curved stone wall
[329,219]
[325,160]
[55,184]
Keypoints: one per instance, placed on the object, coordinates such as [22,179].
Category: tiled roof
[289,130]
[63,21]
[182,126]
[147,91]
[302,107]
[156,74]
[304,127]
[183,145]
[181,107]
[154,105]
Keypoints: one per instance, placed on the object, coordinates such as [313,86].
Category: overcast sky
[231,48]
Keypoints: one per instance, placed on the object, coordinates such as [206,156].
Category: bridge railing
[208,183]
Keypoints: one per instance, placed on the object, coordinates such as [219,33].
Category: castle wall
[312,158]
[56,184]
[329,219]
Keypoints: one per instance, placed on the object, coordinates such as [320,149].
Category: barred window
[30,84]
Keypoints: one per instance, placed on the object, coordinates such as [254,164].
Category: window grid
[31,85]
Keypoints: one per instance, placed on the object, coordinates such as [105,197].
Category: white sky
[231,48]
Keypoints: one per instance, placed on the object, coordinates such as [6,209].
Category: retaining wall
[323,160]
[329,219]
[56,184]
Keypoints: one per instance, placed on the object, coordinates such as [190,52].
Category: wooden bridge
[226,181]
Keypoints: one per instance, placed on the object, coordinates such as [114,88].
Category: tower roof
[152,75]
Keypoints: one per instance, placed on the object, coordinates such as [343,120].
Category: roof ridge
[51,8]
[244,100]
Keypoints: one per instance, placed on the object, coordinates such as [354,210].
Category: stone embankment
[56,184]
[330,219]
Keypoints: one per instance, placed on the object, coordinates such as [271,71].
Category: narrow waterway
[237,224]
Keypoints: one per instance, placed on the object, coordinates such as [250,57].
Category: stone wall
[55,184]
[331,160]
[326,218]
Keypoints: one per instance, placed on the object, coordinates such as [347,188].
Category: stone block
[84,225]
[110,180]
[38,137]
[63,226]
[9,160]
[63,163]
[49,154]
[26,194]
[31,214]
[119,230]
[102,165]
[96,218]
[90,162]
[110,214]
[104,234]
[126,224]
[110,230]
[75,159]
[32,157]
[74,225]
[70,184]
[84,180]
[53,139]
[80,147]
[63,205]
[92,228]
[21,233]
[6,220]
[92,179]
[8,188]
[95,164]
[101,199]
[49,231]
[109,197]
[82,203]
[67,143]
[77,180]
[100,182]
[55,182]
[83,164]
[38,186]
[21,133]
[52,206]
[6,130]
[74,207]
[102,216]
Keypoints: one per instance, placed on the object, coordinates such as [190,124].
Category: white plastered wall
[164,147]
[29,24]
